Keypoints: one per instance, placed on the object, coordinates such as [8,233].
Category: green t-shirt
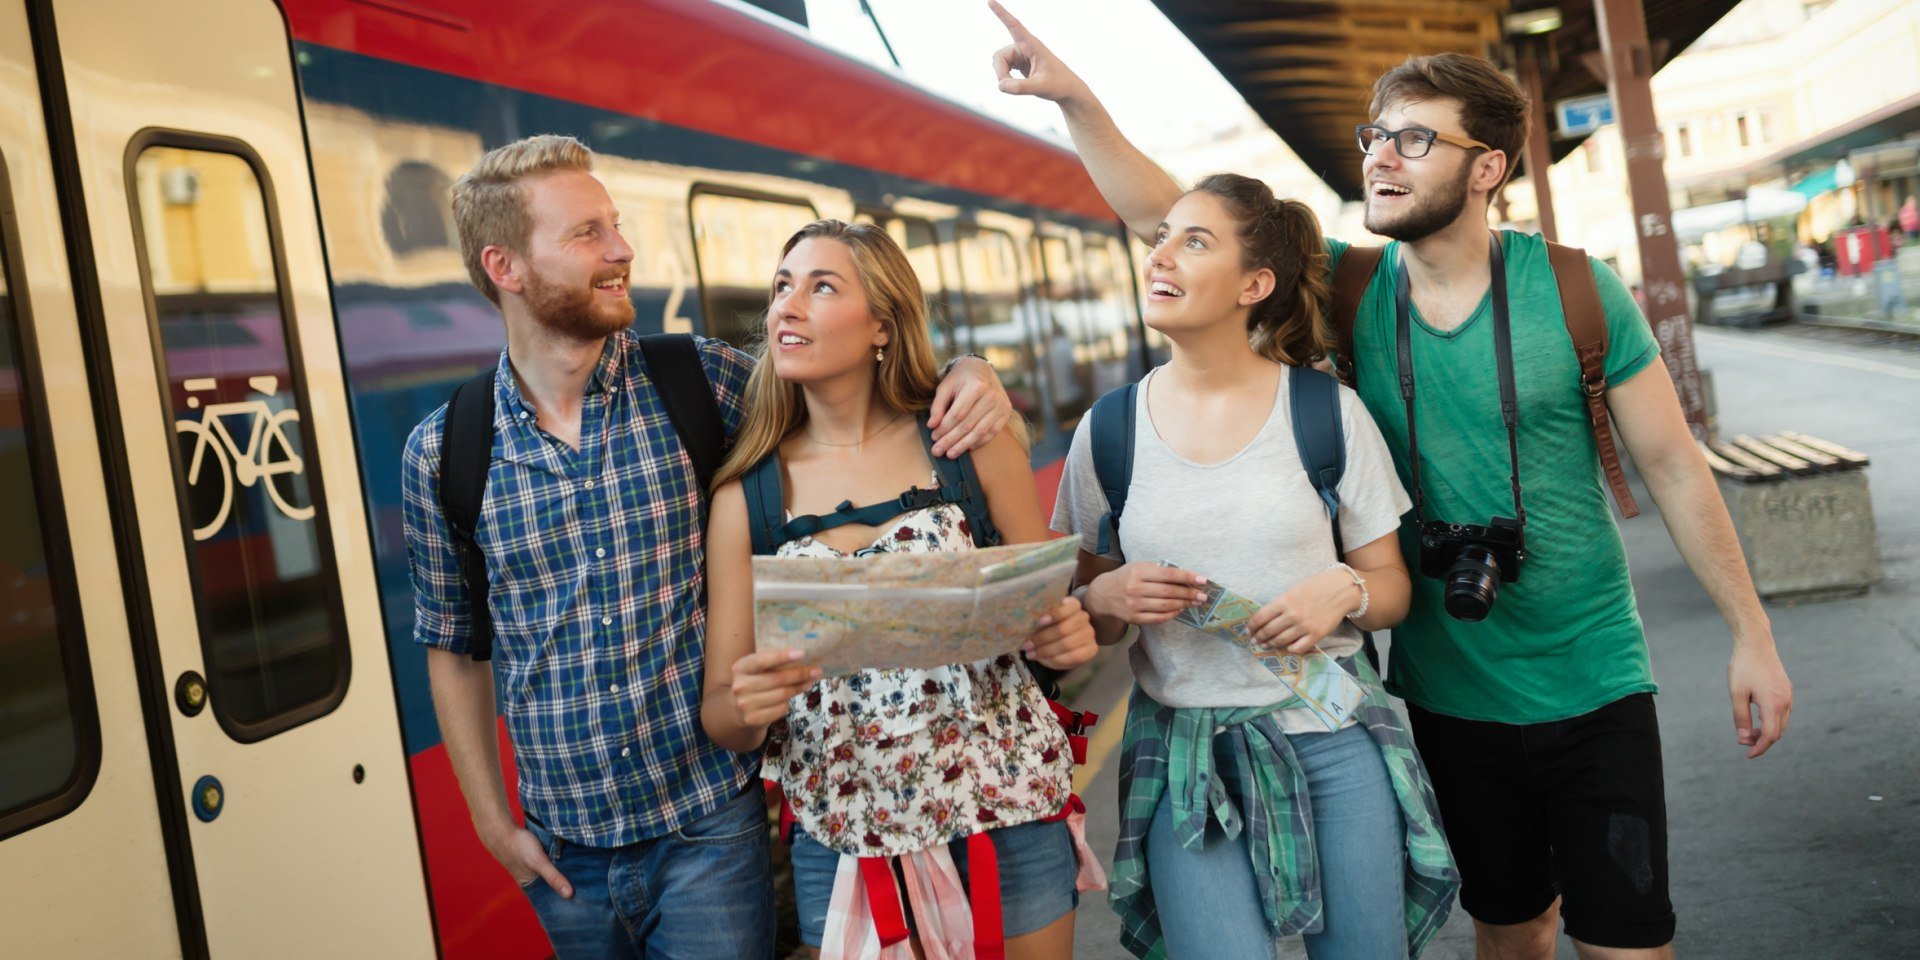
[1566,638]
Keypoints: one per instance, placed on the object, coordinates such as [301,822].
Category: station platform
[1809,851]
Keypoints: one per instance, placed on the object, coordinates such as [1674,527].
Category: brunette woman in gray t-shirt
[1239,285]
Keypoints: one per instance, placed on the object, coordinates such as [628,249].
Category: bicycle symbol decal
[216,460]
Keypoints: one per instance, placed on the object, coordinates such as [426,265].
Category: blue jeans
[1206,898]
[700,892]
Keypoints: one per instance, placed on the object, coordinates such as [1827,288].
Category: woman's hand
[1041,73]
[763,682]
[1064,639]
[1144,592]
[1306,613]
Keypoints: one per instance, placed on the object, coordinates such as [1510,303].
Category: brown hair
[904,381]
[489,206]
[1492,108]
[1290,325]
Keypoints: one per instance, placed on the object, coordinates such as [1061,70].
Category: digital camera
[1472,561]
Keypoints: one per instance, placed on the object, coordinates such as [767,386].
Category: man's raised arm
[1133,185]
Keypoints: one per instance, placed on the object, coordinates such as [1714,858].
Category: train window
[736,240]
[49,733]
[995,312]
[270,624]
[1110,317]
[1069,358]
[922,246]
[418,212]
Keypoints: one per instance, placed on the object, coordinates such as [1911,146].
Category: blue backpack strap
[1113,458]
[673,364]
[960,486]
[466,454]
[1318,434]
[766,505]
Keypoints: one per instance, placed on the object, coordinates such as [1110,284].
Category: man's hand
[1305,614]
[1041,73]
[970,407]
[1064,639]
[520,852]
[1757,681]
[1144,592]
[763,682]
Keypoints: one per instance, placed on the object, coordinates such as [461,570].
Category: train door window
[1069,361]
[922,246]
[271,629]
[49,733]
[996,312]
[1110,317]
[737,238]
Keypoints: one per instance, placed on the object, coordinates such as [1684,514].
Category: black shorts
[1574,808]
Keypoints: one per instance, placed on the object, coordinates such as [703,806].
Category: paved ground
[1813,851]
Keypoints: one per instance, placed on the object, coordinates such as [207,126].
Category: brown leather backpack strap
[1350,280]
[1587,324]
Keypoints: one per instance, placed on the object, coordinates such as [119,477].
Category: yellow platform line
[1106,736]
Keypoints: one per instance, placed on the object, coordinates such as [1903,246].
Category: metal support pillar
[1539,155]
[1629,60]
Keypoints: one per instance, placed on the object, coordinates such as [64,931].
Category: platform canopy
[1307,66]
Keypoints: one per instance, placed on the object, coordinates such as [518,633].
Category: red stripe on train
[481,914]
[703,66]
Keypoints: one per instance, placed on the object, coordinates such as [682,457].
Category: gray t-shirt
[1251,522]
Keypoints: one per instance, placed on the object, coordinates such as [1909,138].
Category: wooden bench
[1803,511]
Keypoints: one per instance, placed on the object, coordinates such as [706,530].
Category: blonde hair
[904,381]
[490,206]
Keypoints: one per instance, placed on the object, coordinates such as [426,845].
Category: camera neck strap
[1503,359]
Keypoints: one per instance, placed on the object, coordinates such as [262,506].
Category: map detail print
[908,610]
[1323,686]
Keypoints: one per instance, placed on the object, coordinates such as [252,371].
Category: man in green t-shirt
[1536,723]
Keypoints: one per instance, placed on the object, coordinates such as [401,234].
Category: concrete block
[1807,537]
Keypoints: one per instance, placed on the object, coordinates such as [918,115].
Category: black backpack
[466,453]
[1313,399]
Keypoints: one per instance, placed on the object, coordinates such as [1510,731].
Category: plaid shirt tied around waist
[1173,751]
[596,569]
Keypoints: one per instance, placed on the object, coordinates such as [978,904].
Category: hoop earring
[879,354]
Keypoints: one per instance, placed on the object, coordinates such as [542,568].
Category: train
[230,286]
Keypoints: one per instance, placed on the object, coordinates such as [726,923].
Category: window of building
[737,238]
[49,733]
[1742,129]
[996,312]
[1683,138]
[265,596]
[418,211]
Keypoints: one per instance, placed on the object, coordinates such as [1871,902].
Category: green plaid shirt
[1168,750]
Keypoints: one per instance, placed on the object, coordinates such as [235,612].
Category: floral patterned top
[886,762]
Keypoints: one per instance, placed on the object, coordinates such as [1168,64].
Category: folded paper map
[1323,686]
[908,610]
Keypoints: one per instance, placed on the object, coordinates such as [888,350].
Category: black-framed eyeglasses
[1411,143]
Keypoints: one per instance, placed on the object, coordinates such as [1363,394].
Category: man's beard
[578,313]
[1430,213]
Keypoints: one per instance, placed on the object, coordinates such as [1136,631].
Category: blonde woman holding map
[1244,817]
[958,777]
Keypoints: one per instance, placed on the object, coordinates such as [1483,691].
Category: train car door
[179,147]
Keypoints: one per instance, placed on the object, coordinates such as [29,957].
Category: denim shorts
[1037,877]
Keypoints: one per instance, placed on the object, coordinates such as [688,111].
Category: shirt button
[523,414]
[606,621]
[589,484]
[601,552]
[626,751]
[613,688]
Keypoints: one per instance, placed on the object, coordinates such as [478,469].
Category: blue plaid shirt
[596,563]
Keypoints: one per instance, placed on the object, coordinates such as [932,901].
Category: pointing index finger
[1012,23]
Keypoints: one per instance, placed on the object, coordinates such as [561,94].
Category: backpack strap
[1318,434]
[1350,280]
[1587,325]
[673,363]
[1112,440]
[466,454]
[960,486]
[766,505]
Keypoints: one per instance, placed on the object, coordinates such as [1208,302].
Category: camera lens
[1473,583]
